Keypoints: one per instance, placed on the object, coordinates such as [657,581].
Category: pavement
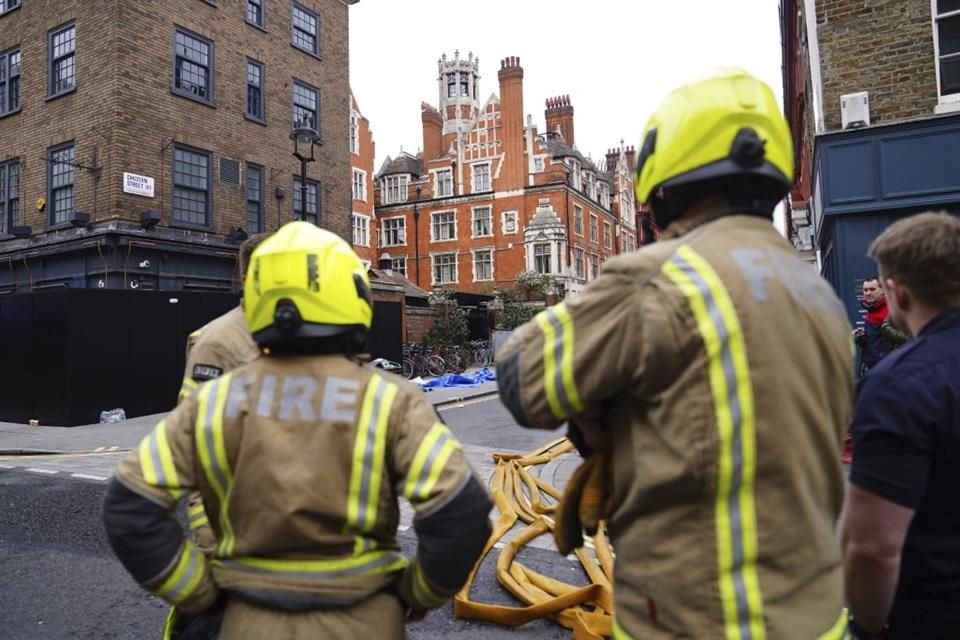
[22,439]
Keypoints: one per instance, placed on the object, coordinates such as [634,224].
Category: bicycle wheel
[408,368]
[436,366]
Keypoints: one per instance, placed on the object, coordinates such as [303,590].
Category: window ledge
[10,113]
[9,11]
[61,94]
[312,54]
[257,26]
[250,118]
[193,98]
[192,226]
[947,107]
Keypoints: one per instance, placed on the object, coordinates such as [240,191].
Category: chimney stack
[432,132]
[514,172]
[631,155]
[559,116]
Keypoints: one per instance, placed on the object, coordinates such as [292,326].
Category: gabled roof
[404,163]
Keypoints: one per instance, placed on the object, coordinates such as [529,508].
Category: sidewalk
[21,439]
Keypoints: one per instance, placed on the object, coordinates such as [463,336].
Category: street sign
[138,185]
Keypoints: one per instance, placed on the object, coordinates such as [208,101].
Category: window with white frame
[578,262]
[444,226]
[482,222]
[394,189]
[607,235]
[360,185]
[509,221]
[591,181]
[482,265]
[354,133]
[594,266]
[481,177]
[361,230]
[444,183]
[575,175]
[394,232]
[578,220]
[594,228]
[538,164]
[444,268]
[946,18]
[399,265]
[604,194]
[541,257]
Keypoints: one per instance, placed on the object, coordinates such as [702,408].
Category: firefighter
[301,457]
[224,343]
[710,374]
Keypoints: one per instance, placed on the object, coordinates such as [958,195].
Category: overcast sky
[615,58]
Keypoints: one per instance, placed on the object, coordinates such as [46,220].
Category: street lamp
[307,137]
[416,233]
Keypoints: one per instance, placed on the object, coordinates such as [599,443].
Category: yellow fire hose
[518,494]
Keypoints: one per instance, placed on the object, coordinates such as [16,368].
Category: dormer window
[575,175]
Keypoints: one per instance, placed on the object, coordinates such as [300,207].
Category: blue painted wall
[866,179]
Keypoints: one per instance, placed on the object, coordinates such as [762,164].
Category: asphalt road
[58,578]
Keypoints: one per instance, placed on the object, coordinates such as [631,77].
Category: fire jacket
[219,346]
[721,366]
[300,461]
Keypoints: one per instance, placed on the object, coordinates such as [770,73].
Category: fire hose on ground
[519,495]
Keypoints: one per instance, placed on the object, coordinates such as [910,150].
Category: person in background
[901,526]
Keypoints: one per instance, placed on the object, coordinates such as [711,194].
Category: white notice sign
[137,184]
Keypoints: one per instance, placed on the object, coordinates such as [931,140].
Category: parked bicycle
[418,361]
[481,352]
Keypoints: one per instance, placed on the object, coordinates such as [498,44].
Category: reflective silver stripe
[736,418]
[435,450]
[220,477]
[154,449]
[368,453]
[559,336]
[379,564]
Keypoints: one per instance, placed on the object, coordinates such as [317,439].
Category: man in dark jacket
[870,337]
[901,525]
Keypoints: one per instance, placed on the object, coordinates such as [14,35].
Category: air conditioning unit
[855,110]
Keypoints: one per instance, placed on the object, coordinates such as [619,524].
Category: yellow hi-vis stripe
[422,591]
[369,451]
[432,455]
[839,629]
[197,516]
[212,451]
[185,576]
[618,632]
[557,327]
[156,461]
[369,563]
[189,386]
[732,391]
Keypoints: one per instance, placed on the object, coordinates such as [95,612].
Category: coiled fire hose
[519,495]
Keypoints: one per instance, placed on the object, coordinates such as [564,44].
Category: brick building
[872,94]
[490,196]
[362,153]
[141,142]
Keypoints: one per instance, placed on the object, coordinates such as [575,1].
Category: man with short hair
[870,336]
[901,525]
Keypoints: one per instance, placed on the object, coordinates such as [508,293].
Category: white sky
[615,58]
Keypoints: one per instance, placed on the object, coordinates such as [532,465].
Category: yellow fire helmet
[305,282]
[726,124]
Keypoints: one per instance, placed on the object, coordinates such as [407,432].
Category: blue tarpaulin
[460,380]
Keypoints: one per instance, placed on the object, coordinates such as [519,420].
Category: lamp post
[416,233]
[305,136]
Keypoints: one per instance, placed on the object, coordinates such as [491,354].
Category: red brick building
[490,196]
[362,151]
